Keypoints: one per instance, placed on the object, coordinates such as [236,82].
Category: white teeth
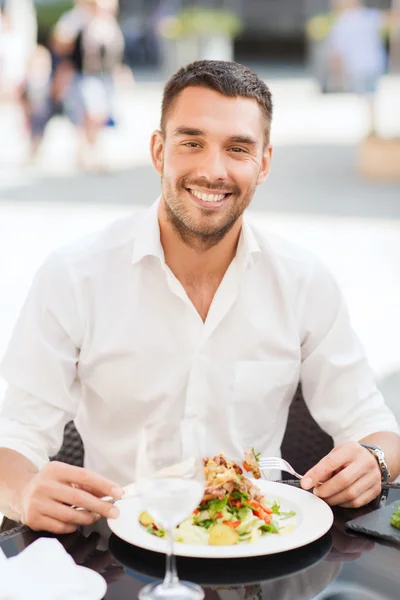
[208,197]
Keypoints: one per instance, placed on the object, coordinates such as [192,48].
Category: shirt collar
[148,243]
[147,239]
[248,246]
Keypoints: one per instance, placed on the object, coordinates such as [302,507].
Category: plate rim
[225,552]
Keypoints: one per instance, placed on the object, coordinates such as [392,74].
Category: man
[185,311]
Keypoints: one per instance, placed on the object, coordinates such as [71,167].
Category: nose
[211,165]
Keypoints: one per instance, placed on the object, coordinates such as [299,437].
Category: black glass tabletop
[342,565]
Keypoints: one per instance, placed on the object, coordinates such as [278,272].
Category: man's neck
[193,261]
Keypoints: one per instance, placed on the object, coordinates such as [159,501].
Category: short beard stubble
[205,238]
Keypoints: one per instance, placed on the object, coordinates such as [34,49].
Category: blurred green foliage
[48,14]
[319,26]
[193,21]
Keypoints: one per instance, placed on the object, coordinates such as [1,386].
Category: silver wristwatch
[381,458]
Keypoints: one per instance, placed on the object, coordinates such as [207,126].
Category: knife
[130,491]
[388,485]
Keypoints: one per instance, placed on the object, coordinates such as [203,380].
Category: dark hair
[228,78]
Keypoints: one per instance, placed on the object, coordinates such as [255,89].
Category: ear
[265,164]
[157,150]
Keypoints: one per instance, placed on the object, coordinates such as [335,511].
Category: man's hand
[44,502]
[350,476]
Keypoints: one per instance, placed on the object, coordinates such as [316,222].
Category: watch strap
[380,457]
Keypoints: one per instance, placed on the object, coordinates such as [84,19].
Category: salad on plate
[233,509]
[395,518]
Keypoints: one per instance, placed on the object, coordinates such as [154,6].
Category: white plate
[95,584]
[313,519]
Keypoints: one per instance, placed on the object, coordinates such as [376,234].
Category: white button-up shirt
[108,337]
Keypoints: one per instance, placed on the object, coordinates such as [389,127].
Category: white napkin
[42,570]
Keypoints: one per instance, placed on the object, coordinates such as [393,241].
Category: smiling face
[211,158]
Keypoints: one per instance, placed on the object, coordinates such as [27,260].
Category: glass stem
[171,574]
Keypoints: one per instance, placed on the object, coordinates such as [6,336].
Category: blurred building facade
[272,29]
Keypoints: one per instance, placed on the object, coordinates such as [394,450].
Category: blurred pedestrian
[38,103]
[18,35]
[357,54]
[87,48]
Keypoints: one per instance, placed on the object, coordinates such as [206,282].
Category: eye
[237,150]
[192,145]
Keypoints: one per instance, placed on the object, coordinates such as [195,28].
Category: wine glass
[170,477]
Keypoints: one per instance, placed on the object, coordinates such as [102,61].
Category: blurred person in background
[87,47]
[18,35]
[39,104]
[356,50]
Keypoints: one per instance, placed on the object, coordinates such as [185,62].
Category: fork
[274,462]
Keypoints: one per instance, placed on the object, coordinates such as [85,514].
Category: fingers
[85,479]
[356,494]
[346,455]
[77,497]
[365,498]
[48,498]
[341,481]
[45,523]
[350,476]
[68,515]
[338,458]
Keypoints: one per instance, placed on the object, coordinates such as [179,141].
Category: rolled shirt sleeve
[40,365]
[338,384]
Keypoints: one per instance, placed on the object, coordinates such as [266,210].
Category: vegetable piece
[269,528]
[287,515]
[206,523]
[276,508]
[236,495]
[146,519]
[215,506]
[395,520]
[153,529]
[222,535]
[232,524]
[263,516]
[251,459]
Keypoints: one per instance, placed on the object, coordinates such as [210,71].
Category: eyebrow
[243,139]
[188,131]
[238,139]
